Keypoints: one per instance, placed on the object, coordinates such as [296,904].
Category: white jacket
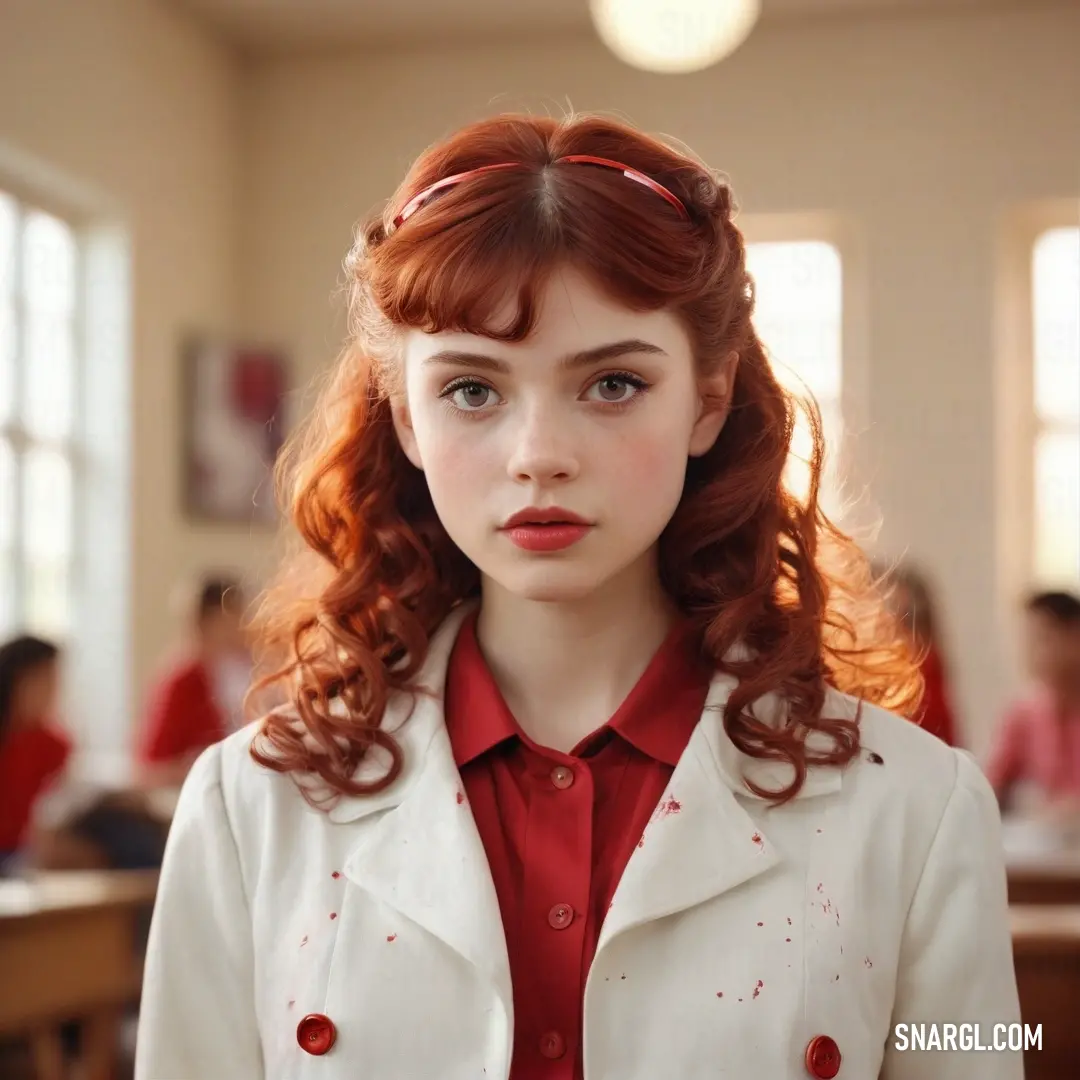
[738,933]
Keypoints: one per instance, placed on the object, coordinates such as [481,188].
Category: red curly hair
[352,613]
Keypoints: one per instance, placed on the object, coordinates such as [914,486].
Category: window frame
[852,404]
[1043,426]
[1015,420]
[14,432]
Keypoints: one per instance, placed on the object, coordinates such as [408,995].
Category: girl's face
[588,422]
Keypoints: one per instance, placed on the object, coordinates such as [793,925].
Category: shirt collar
[657,717]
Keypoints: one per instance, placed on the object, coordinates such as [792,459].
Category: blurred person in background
[34,749]
[1038,741]
[49,818]
[911,598]
[198,698]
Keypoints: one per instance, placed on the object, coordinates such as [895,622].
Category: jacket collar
[735,768]
[416,718]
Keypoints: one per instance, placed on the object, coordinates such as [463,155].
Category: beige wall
[137,114]
[918,131]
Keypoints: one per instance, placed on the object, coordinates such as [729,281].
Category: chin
[549,584]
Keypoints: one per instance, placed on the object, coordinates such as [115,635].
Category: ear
[399,411]
[716,390]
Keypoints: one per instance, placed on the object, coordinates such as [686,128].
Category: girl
[912,600]
[33,750]
[575,781]
[50,819]
[193,701]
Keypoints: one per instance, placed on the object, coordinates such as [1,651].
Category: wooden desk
[68,952]
[1046,949]
[1044,879]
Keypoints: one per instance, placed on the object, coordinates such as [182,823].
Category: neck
[564,667]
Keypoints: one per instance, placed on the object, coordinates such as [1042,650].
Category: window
[1056,346]
[799,301]
[38,315]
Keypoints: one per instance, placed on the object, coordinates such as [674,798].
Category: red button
[552,1045]
[562,777]
[822,1057]
[560,916]
[316,1034]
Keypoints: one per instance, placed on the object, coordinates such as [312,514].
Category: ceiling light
[673,36]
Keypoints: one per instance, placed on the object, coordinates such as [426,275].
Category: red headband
[417,201]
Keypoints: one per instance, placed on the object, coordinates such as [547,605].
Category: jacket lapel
[419,850]
[701,841]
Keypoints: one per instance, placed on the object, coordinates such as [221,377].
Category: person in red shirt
[198,699]
[33,749]
[554,604]
[912,600]
[1038,741]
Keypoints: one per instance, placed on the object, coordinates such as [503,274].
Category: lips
[551,515]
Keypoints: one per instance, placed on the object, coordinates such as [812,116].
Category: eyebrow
[585,358]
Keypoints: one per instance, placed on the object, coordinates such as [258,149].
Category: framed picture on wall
[234,427]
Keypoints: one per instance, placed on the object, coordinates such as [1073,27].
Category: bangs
[477,258]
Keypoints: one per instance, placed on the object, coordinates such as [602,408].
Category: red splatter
[304,942]
[719,993]
[292,1003]
[761,924]
[787,939]
[460,797]
[671,805]
[336,874]
[819,830]
[641,842]
[333,915]
[838,918]
[756,838]
[391,937]
[757,989]
[819,886]
[868,962]
[789,921]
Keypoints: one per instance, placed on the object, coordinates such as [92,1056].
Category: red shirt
[30,759]
[559,828]
[183,718]
[1037,744]
[936,714]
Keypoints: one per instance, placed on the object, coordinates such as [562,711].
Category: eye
[617,388]
[468,395]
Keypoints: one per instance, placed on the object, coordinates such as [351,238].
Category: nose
[542,450]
